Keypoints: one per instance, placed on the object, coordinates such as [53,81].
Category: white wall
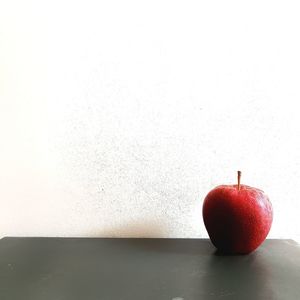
[117,117]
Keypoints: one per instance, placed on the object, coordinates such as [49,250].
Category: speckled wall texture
[117,117]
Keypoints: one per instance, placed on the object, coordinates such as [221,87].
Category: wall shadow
[152,236]
[133,229]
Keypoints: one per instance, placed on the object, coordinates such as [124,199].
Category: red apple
[237,217]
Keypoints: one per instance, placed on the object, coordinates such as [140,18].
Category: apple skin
[237,220]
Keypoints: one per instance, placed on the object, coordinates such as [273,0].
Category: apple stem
[239,179]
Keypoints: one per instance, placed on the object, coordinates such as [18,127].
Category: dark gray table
[137,269]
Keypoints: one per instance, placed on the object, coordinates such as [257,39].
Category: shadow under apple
[236,277]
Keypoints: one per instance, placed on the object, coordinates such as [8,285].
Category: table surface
[137,269]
